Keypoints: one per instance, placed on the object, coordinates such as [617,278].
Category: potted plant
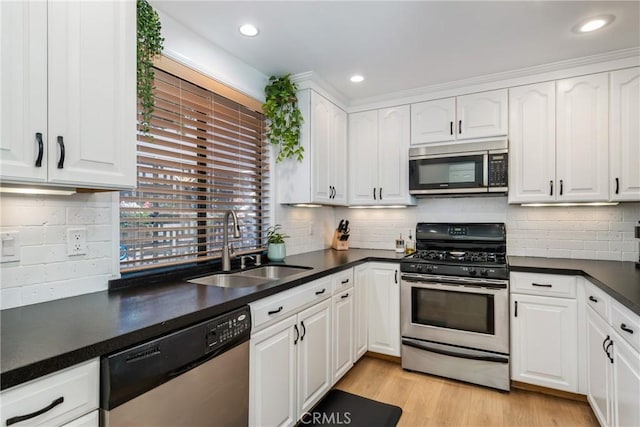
[275,239]
[150,44]
[283,117]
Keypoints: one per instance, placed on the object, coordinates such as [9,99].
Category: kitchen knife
[341,225]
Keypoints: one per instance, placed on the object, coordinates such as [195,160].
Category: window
[205,154]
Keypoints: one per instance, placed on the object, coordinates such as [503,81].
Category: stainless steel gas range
[454,303]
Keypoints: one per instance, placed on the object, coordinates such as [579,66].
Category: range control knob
[484,272]
[472,271]
[429,268]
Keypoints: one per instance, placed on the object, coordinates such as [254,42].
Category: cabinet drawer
[342,280]
[597,299]
[291,301]
[89,420]
[544,284]
[75,388]
[626,324]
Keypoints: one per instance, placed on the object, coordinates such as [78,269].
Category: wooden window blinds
[205,155]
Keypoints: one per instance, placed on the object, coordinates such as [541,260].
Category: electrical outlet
[10,246]
[76,241]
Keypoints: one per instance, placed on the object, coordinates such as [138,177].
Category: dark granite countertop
[621,280]
[43,338]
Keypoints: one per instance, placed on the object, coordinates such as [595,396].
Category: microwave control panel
[498,170]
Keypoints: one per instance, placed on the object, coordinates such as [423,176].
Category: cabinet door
[342,333]
[314,355]
[320,150]
[92,93]
[393,155]
[23,90]
[532,143]
[433,121]
[482,114]
[338,156]
[544,344]
[582,138]
[624,149]
[363,155]
[384,309]
[599,392]
[272,377]
[360,324]
[626,383]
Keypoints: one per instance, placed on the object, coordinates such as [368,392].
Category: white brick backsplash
[45,271]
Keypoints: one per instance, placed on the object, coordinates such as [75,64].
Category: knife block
[337,244]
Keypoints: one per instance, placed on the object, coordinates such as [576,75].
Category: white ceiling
[401,45]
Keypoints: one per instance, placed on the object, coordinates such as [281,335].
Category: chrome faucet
[227,248]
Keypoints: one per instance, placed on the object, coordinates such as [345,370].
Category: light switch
[10,246]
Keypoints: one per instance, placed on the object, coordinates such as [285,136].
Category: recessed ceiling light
[357,78]
[594,23]
[249,30]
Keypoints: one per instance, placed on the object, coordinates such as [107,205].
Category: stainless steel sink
[230,281]
[272,272]
[250,278]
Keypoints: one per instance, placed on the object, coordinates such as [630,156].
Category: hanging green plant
[150,44]
[283,117]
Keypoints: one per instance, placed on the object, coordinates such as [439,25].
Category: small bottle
[400,244]
[411,245]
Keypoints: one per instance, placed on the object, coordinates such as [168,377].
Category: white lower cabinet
[343,350]
[613,364]
[55,399]
[90,420]
[544,330]
[290,368]
[383,311]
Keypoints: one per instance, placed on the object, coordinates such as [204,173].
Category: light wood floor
[432,401]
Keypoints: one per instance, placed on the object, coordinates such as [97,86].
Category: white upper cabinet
[321,177]
[532,143]
[624,135]
[582,134]
[378,157]
[69,93]
[477,115]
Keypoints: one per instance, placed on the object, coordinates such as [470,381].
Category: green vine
[150,44]
[283,117]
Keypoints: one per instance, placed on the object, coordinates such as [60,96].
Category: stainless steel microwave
[472,172]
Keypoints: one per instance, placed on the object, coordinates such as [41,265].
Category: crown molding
[311,80]
[583,65]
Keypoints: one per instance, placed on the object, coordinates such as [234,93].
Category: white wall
[604,232]
[45,271]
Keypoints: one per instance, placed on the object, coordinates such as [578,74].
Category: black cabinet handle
[304,331]
[374,193]
[295,341]
[380,192]
[551,188]
[561,187]
[542,285]
[592,298]
[625,328]
[275,311]
[617,185]
[62,154]
[345,281]
[604,343]
[396,277]
[606,350]
[40,149]
[21,418]
[345,296]
[460,127]
[451,127]
[321,292]
[515,314]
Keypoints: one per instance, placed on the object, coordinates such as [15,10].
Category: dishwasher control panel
[228,328]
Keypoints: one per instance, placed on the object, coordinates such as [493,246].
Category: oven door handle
[414,344]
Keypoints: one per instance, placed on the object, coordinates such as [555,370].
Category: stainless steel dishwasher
[197,376]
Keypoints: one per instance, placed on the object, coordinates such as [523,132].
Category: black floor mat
[339,408]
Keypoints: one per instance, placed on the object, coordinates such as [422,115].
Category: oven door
[467,312]
[452,173]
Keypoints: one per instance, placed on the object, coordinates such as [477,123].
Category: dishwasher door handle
[192,365]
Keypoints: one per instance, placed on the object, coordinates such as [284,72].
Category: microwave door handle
[454,354]
[485,170]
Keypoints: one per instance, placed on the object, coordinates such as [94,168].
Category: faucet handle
[232,253]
